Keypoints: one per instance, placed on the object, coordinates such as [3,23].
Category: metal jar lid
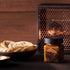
[53,40]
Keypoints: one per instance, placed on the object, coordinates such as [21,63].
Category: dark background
[18,19]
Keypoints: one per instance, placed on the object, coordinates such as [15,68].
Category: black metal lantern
[54,20]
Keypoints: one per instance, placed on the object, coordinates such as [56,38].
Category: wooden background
[18,19]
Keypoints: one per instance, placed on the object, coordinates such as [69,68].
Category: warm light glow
[4,57]
[39,34]
[54,32]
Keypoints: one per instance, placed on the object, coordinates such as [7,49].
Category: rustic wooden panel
[26,5]
[18,26]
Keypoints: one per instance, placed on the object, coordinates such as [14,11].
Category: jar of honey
[53,49]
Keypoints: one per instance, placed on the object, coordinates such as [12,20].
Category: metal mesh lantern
[54,20]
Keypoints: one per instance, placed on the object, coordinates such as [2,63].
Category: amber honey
[53,50]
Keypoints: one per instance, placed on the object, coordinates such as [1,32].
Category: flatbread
[11,46]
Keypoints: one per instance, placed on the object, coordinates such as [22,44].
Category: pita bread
[11,46]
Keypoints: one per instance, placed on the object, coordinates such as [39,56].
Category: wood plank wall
[18,19]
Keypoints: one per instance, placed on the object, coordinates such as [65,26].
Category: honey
[53,50]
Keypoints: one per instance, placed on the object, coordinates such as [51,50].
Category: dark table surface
[36,63]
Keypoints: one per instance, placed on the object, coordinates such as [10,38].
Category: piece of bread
[30,48]
[2,45]
[11,46]
[22,44]
[6,43]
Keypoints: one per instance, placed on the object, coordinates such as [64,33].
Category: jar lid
[53,40]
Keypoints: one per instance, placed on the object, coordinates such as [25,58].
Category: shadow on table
[8,65]
[39,58]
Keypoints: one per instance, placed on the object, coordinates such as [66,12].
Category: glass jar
[53,49]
